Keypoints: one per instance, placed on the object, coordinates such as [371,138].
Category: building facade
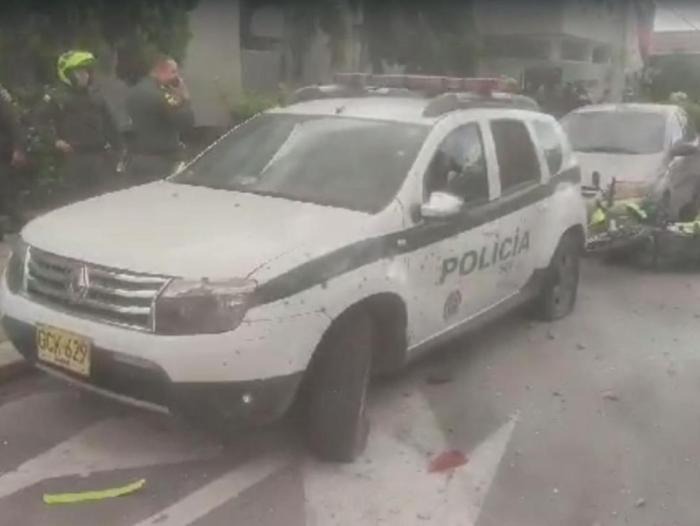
[244,46]
[598,44]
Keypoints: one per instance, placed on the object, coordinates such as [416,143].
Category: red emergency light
[431,84]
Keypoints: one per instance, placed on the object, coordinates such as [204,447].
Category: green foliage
[34,33]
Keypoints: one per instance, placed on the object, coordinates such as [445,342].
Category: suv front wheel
[337,423]
[558,295]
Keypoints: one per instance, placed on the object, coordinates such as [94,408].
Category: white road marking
[209,497]
[468,491]
[118,443]
[390,483]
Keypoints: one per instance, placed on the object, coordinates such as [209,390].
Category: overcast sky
[677,15]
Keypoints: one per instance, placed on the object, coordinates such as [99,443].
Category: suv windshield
[336,161]
[628,132]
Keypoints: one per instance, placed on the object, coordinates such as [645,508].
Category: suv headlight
[14,272]
[202,307]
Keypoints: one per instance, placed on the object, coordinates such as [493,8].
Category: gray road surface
[589,421]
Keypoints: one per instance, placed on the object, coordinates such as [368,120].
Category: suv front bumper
[145,384]
[250,375]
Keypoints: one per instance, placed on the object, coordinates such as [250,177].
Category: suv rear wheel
[558,295]
[337,423]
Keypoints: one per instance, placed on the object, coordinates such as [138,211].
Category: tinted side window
[459,165]
[516,154]
[550,142]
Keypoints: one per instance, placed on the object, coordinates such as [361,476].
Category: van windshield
[623,132]
[336,161]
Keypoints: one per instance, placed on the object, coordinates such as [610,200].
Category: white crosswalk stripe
[389,484]
[117,443]
[209,497]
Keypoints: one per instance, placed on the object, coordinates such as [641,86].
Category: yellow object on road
[598,217]
[86,496]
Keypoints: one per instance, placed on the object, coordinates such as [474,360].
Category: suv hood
[191,232]
[625,168]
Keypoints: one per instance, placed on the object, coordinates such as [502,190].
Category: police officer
[160,110]
[12,156]
[82,126]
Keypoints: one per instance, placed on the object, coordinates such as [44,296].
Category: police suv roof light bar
[434,85]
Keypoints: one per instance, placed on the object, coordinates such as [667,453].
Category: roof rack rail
[465,101]
[450,93]
[428,84]
[346,91]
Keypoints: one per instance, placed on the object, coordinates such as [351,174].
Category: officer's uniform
[11,139]
[158,118]
[82,118]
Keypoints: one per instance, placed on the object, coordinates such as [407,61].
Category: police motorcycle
[626,228]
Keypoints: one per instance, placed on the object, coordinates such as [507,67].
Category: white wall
[212,66]
[600,21]
[611,23]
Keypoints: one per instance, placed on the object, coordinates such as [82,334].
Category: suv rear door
[521,202]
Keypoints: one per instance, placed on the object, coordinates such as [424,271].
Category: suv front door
[452,275]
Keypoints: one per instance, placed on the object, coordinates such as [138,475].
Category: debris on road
[86,496]
[640,503]
[611,396]
[447,461]
[439,378]
[551,335]
[580,347]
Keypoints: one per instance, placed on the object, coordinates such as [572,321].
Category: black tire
[337,425]
[560,289]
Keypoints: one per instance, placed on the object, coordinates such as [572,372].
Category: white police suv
[307,248]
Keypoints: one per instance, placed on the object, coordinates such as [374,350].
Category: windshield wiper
[607,149]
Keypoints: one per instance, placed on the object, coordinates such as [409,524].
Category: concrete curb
[11,362]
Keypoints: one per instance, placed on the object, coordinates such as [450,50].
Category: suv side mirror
[441,205]
[684,149]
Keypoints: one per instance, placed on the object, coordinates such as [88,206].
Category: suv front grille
[100,293]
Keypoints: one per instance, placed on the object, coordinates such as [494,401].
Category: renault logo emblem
[79,284]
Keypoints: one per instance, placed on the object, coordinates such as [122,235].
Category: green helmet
[72,60]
